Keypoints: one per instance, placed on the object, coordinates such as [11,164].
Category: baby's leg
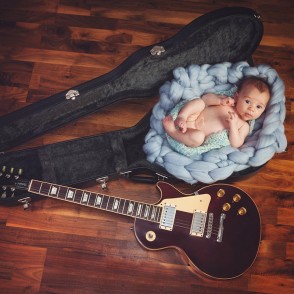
[181,123]
[192,138]
[191,109]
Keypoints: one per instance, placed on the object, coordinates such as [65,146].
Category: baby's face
[251,103]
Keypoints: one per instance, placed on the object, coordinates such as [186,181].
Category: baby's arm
[237,134]
[211,99]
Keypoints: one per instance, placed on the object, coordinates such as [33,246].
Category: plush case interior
[230,34]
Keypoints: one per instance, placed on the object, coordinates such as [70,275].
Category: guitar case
[229,34]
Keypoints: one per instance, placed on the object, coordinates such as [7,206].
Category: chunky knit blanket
[268,136]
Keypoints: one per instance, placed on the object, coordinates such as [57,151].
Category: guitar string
[187,226]
[179,222]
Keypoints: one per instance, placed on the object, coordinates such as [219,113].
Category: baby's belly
[209,125]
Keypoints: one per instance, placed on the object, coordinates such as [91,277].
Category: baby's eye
[259,107]
[247,101]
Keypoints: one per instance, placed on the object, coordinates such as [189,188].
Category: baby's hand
[180,123]
[232,118]
[228,101]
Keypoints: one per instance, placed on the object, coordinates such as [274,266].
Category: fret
[146,211]
[105,202]
[153,213]
[125,208]
[92,199]
[35,186]
[45,188]
[135,208]
[121,206]
[78,196]
[62,192]
[158,214]
[109,203]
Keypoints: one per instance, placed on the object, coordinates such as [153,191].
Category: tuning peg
[3,195]
[19,173]
[2,170]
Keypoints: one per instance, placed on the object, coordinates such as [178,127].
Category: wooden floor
[55,247]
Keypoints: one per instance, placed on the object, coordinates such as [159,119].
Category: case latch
[72,94]
[157,50]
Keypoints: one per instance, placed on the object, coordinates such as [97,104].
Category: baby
[213,113]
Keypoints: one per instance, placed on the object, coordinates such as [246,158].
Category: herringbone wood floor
[55,247]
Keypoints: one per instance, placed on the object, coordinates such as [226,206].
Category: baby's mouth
[248,115]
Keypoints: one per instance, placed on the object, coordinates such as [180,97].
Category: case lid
[229,34]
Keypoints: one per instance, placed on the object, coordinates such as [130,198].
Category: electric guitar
[216,229]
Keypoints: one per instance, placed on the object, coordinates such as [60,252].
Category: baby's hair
[257,82]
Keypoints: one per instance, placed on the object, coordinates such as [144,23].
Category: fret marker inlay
[130,207]
[85,197]
[98,201]
[115,204]
[53,190]
[70,194]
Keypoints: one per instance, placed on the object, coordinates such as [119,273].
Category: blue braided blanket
[268,136]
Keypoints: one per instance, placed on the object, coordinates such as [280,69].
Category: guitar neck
[117,205]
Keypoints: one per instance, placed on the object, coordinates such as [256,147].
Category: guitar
[216,229]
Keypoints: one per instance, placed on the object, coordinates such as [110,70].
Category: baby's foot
[168,124]
[181,124]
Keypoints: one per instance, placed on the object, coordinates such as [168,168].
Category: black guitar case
[229,34]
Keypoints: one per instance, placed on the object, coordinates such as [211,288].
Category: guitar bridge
[221,228]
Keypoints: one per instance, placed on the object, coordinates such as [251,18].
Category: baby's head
[252,97]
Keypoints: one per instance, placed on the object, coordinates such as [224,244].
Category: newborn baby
[212,113]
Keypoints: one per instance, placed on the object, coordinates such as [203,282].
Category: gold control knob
[226,206]
[220,193]
[236,198]
[242,211]
[150,236]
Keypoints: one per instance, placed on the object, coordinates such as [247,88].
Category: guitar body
[229,250]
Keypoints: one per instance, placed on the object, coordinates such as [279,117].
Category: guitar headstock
[11,182]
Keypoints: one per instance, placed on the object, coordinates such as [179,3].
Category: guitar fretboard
[96,200]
